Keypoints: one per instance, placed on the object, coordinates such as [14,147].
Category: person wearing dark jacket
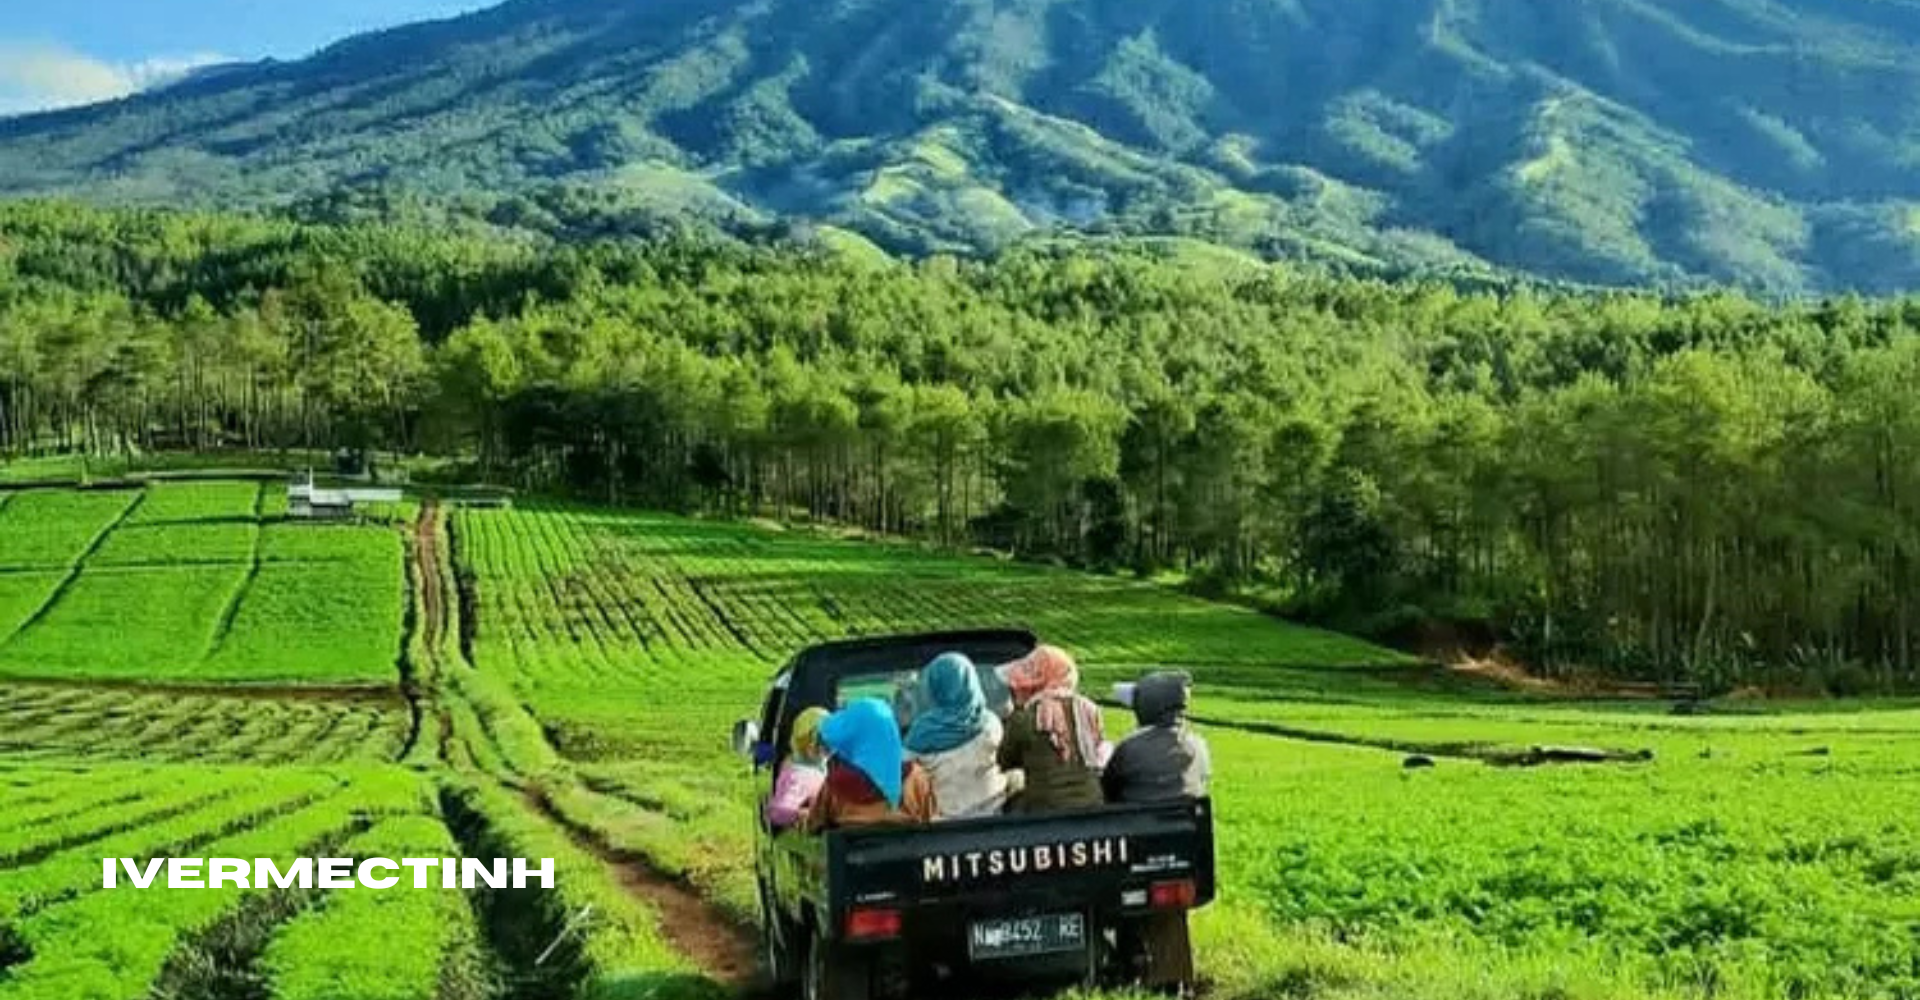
[1164,759]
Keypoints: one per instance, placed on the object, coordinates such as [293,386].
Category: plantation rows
[1736,860]
[578,604]
[1757,855]
[193,582]
[104,723]
[74,940]
[675,586]
[200,585]
[1754,855]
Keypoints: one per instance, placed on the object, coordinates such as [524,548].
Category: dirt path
[725,950]
[426,550]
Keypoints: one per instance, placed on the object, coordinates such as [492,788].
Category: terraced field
[593,613]
[558,681]
[191,582]
[1756,851]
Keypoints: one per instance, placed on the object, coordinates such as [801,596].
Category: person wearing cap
[1164,759]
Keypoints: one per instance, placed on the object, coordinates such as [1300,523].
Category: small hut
[309,502]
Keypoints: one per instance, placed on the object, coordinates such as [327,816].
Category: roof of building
[341,497]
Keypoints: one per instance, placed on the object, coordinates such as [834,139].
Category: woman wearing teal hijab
[957,739]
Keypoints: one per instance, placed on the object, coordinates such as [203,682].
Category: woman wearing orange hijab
[1054,735]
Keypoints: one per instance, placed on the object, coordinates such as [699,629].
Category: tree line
[1704,488]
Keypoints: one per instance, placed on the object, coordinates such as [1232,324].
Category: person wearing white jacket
[956,738]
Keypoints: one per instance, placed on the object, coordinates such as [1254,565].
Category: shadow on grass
[655,986]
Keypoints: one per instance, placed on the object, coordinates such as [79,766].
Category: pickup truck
[1095,897]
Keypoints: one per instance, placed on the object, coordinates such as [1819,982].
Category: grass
[1763,851]
[300,623]
[342,949]
[53,529]
[191,581]
[22,594]
[126,624]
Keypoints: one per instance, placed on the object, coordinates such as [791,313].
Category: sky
[59,53]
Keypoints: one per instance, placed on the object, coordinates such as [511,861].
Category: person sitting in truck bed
[869,780]
[1054,735]
[957,739]
[802,774]
[1164,759]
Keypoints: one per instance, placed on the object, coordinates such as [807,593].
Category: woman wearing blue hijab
[870,781]
[956,738]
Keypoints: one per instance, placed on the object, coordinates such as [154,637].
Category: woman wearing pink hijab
[1054,735]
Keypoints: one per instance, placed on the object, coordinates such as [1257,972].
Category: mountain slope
[1767,142]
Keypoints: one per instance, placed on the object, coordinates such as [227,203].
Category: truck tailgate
[1092,857]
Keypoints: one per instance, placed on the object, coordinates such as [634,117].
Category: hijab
[804,745]
[864,738]
[952,708]
[1048,680]
[1046,669]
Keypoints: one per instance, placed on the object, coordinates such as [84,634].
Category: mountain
[1769,143]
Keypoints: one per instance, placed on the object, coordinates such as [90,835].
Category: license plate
[1019,937]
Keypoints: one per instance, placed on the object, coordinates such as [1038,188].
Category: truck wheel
[778,951]
[835,973]
[1156,953]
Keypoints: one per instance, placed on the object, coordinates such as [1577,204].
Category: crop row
[593,613]
[648,584]
[88,943]
[350,947]
[615,941]
[36,795]
[1769,873]
[206,728]
[250,797]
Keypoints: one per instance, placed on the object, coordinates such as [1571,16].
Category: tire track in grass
[73,571]
[224,627]
[1497,754]
[426,616]
[221,962]
[722,947]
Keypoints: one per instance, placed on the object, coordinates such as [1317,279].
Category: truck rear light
[871,924]
[1178,895]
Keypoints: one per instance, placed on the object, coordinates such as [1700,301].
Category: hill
[1763,142]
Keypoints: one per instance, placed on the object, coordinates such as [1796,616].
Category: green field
[193,582]
[572,673]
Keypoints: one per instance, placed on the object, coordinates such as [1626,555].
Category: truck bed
[1107,859]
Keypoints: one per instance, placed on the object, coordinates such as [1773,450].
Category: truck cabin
[833,674]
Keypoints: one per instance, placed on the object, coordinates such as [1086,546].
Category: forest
[1708,488]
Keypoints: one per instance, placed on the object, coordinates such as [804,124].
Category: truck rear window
[894,688]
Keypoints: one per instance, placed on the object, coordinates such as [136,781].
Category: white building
[305,500]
